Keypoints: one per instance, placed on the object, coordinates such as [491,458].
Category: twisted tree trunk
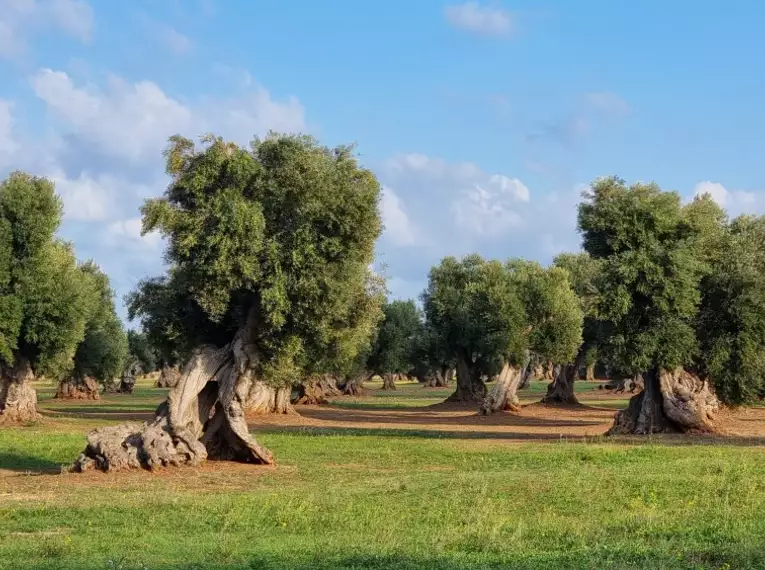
[470,386]
[354,385]
[561,390]
[672,401]
[548,371]
[389,381]
[127,382]
[440,378]
[262,398]
[168,377]
[78,387]
[203,417]
[504,395]
[589,375]
[18,400]
[316,390]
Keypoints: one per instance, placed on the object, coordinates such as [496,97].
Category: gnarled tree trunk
[589,375]
[127,382]
[470,385]
[440,378]
[354,385]
[389,381]
[203,417]
[548,371]
[78,387]
[671,401]
[561,390]
[262,398]
[504,395]
[18,400]
[316,390]
[168,377]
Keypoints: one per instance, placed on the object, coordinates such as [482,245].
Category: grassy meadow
[379,499]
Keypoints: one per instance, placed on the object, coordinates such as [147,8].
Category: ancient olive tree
[476,308]
[551,328]
[269,249]
[43,298]
[141,349]
[583,272]
[432,364]
[731,323]
[394,345]
[649,285]
[100,357]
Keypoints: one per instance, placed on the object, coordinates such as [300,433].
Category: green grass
[380,499]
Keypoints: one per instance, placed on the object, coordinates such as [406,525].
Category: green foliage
[279,237]
[731,323]
[43,298]
[141,349]
[102,352]
[489,313]
[650,275]
[396,340]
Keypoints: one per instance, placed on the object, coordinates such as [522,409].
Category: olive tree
[650,295]
[268,283]
[100,357]
[43,298]
[394,345]
[552,328]
[583,272]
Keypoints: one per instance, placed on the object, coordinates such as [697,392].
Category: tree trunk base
[18,400]
[389,381]
[85,388]
[504,395]
[561,390]
[316,391]
[263,399]
[202,418]
[671,402]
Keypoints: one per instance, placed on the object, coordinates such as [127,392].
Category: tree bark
[18,400]
[354,386]
[589,375]
[504,397]
[203,416]
[470,386]
[671,401]
[78,387]
[168,377]
[127,382]
[440,378]
[316,390]
[389,381]
[548,371]
[561,390]
[262,399]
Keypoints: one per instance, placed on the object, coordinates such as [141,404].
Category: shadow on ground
[24,463]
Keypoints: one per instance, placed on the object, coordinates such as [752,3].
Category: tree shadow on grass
[27,463]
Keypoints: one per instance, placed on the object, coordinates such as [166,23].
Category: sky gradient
[484,121]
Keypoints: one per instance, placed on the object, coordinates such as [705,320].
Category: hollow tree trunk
[168,377]
[561,390]
[203,416]
[262,399]
[470,386]
[389,381]
[504,395]
[316,390]
[671,401]
[78,387]
[18,400]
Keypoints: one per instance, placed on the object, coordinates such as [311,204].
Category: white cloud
[129,231]
[133,121]
[74,17]
[85,198]
[174,41]
[398,227]
[7,144]
[607,103]
[478,19]
[20,19]
[717,191]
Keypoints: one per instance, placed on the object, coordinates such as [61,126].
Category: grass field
[371,494]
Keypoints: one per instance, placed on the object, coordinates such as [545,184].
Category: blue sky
[483,120]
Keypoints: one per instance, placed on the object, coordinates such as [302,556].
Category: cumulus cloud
[129,232]
[734,201]
[479,19]
[75,17]
[398,227]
